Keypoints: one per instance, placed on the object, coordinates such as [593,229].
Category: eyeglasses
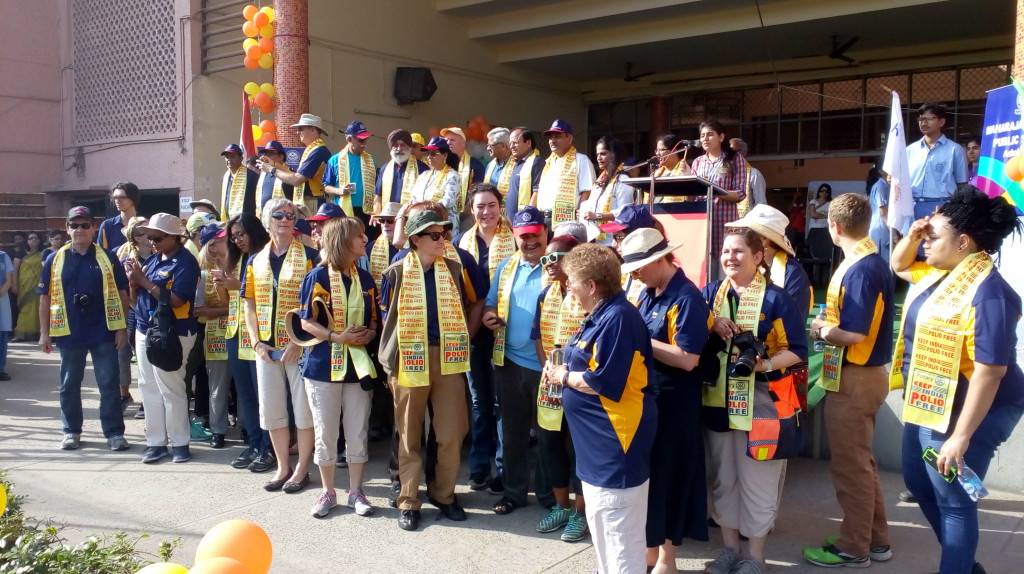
[158,239]
[553,258]
[926,118]
[435,153]
[279,215]
[494,145]
[434,235]
[237,237]
[80,225]
[117,197]
[619,237]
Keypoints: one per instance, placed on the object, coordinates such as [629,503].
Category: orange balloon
[265,138]
[266,44]
[268,108]
[254,52]
[239,540]
[480,119]
[251,63]
[260,99]
[268,126]
[249,11]
[433,132]
[1013,170]
[250,29]
[260,19]
[219,565]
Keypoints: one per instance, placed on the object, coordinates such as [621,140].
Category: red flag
[245,139]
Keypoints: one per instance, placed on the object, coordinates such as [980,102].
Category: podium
[686,222]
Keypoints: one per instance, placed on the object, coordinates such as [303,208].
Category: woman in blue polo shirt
[607,375]
[170,268]
[345,385]
[981,402]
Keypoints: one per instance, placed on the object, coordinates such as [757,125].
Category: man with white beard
[398,176]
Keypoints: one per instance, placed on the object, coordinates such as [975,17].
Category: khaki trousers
[850,422]
[450,419]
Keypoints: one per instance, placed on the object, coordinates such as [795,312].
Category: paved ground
[94,490]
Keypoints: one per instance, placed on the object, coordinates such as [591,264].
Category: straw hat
[165,223]
[293,324]
[644,246]
[311,120]
[129,226]
[769,223]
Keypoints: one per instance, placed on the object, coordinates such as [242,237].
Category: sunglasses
[279,215]
[555,257]
[156,239]
[79,226]
[434,235]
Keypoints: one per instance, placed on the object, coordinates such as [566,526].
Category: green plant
[29,546]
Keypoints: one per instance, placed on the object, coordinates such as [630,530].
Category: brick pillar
[661,115]
[291,66]
[1018,44]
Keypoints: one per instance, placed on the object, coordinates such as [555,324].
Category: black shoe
[243,460]
[478,481]
[393,494]
[453,511]
[217,441]
[907,496]
[409,520]
[494,486]
[263,462]
[4,376]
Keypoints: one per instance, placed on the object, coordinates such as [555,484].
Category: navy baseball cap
[631,217]
[211,232]
[438,142]
[233,148]
[80,211]
[357,129]
[528,220]
[560,126]
[302,227]
[274,145]
[327,211]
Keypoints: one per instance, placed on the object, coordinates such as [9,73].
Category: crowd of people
[535,301]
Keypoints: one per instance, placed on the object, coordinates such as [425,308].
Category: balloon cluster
[262,97]
[1013,168]
[259,37]
[476,129]
[231,547]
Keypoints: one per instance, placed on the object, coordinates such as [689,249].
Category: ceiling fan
[839,51]
[630,77]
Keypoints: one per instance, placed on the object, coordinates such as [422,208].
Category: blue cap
[328,211]
[302,227]
[631,218]
[438,142]
[211,232]
[560,126]
[357,129]
[233,148]
[274,145]
[528,220]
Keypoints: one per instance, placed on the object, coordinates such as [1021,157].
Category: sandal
[504,506]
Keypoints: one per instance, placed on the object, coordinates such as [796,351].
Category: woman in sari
[27,271]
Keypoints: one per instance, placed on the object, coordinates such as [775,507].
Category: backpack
[163,348]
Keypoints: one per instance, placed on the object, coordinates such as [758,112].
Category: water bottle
[971,483]
[557,357]
[819,346]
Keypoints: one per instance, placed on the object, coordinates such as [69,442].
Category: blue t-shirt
[612,431]
[526,287]
[110,236]
[81,275]
[679,316]
[248,290]
[180,274]
[865,307]
[429,287]
[318,284]
[798,285]
[935,172]
[483,249]
[395,194]
[267,191]
[355,175]
[312,165]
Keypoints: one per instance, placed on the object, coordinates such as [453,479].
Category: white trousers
[617,518]
[164,397]
[327,402]
[276,382]
[745,492]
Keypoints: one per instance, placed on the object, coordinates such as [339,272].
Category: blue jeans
[951,513]
[485,418]
[72,371]
[4,335]
[244,374]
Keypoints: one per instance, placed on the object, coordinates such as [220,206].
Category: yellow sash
[414,370]
[237,325]
[112,308]
[737,395]
[502,245]
[450,252]
[236,194]
[939,338]
[465,178]
[285,290]
[380,258]
[216,343]
[633,288]
[369,172]
[744,205]
[408,182]
[565,199]
[504,300]
[438,192]
[560,318]
[526,179]
[832,363]
[315,184]
[348,310]
[506,173]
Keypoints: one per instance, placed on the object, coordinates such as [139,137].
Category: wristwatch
[565,378]
[817,335]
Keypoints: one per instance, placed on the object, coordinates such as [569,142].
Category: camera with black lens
[83,300]
[749,350]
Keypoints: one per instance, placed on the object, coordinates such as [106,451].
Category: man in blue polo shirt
[937,165]
[269,185]
[522,188]
[238,191]
[351,174]
[125,196]
[510,311]
[858,346]
[83,308]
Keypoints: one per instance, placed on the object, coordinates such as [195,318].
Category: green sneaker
[876,553]
[557,518]
[831,557]
[576,529]
[198,431]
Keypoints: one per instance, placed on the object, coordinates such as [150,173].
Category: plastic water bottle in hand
[557,357]
[819,346]
[972,483]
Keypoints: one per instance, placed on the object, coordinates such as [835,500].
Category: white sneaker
[70,441]
[324,504]
[357,501]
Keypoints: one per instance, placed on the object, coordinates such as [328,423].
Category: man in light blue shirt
[937,164]
[510,311]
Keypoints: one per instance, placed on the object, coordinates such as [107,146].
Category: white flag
[901,198]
